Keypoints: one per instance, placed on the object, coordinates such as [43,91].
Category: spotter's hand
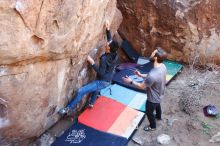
[136,72]
[126,79]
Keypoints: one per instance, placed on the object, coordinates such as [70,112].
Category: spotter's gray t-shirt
[155,82]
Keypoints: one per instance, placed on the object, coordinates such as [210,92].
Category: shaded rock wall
[188,30]
[43,48]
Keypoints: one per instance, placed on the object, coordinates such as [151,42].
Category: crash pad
[82,135]
[173,68]
[110,116]
[131,98]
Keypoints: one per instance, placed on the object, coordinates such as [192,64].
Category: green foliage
[206,128]
[217,116]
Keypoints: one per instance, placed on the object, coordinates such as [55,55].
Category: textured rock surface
[43,48]
[187,29]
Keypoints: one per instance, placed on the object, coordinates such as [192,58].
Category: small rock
[170,121]
[163,139]
[138,140]
[192,84]
[215,138]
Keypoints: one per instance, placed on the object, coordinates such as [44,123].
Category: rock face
[188,30]
[43,48]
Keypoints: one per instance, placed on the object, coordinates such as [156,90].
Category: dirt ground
[185,129]
[183,121]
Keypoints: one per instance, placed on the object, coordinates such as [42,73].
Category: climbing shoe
[63,111]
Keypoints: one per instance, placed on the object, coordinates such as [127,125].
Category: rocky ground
[183,118]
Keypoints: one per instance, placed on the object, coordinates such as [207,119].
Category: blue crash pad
[131,98]
[172,70]
[127,72]
[81,135]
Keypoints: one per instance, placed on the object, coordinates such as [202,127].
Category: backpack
[210,110]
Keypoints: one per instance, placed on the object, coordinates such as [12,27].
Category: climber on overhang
[105,72]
